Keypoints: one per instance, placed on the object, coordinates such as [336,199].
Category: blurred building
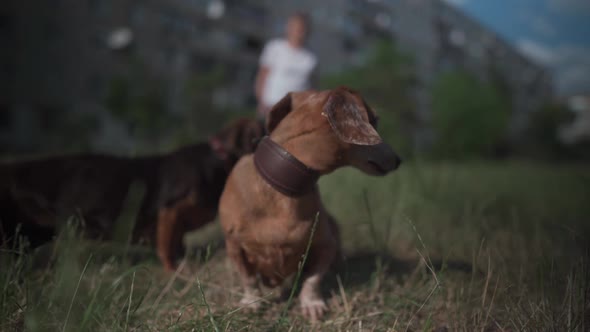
[579,129]
[462,42]
[63,56]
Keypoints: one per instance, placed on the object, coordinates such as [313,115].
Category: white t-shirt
[290,69]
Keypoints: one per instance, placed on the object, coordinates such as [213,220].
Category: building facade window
[137,14]
[99,8]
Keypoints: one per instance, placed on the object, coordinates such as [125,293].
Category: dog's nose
[394,162]
[384,157]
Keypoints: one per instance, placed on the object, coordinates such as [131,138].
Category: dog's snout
[378,159]
[384,156]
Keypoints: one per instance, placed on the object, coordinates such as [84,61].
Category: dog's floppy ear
[373,118]
[238,138]
[278,112]
[345,116]
[225,141]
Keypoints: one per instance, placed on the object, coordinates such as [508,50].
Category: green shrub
[139,105]
[59,125]
[469,117]
[543,135]
[385,80]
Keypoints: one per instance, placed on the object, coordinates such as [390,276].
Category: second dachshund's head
[237,139]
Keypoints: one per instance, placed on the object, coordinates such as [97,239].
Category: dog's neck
[282,170]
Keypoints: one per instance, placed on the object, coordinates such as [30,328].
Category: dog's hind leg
[169,237]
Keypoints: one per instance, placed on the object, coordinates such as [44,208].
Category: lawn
[431,247]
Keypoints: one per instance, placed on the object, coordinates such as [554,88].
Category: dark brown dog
[182,190]
[270,201]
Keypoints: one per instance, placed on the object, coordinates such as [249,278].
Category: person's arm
[265,64]
[314,79]
[260,81]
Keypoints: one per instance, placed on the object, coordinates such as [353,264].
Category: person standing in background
[285,65]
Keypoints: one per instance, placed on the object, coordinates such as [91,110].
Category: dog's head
[331,129]
[237,139]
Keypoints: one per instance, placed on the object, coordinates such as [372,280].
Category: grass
[433,247]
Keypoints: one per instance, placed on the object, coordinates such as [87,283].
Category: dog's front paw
[250,302]
[313,308]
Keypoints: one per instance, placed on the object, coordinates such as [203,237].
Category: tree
[469,117]
[385,80]
[543,139]
[139,102]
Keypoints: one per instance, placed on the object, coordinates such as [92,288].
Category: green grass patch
[461,247]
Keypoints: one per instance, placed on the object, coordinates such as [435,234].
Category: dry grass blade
[209,313]
[130,301]
[338,321]
[300,269]
[223,288]
[166,289]
[76,292]
[488,277]
[371,222]
[426,260]
[491,305]
[343,296]
[430,266]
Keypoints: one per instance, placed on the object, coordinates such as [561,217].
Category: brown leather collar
[282,170]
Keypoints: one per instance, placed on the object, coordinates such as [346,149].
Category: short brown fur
[266,231]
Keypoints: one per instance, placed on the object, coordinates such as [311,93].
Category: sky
[553,33]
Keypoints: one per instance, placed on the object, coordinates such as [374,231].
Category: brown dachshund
[182,190]
[271,198]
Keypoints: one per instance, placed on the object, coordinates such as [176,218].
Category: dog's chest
[274,263]
[275,252]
